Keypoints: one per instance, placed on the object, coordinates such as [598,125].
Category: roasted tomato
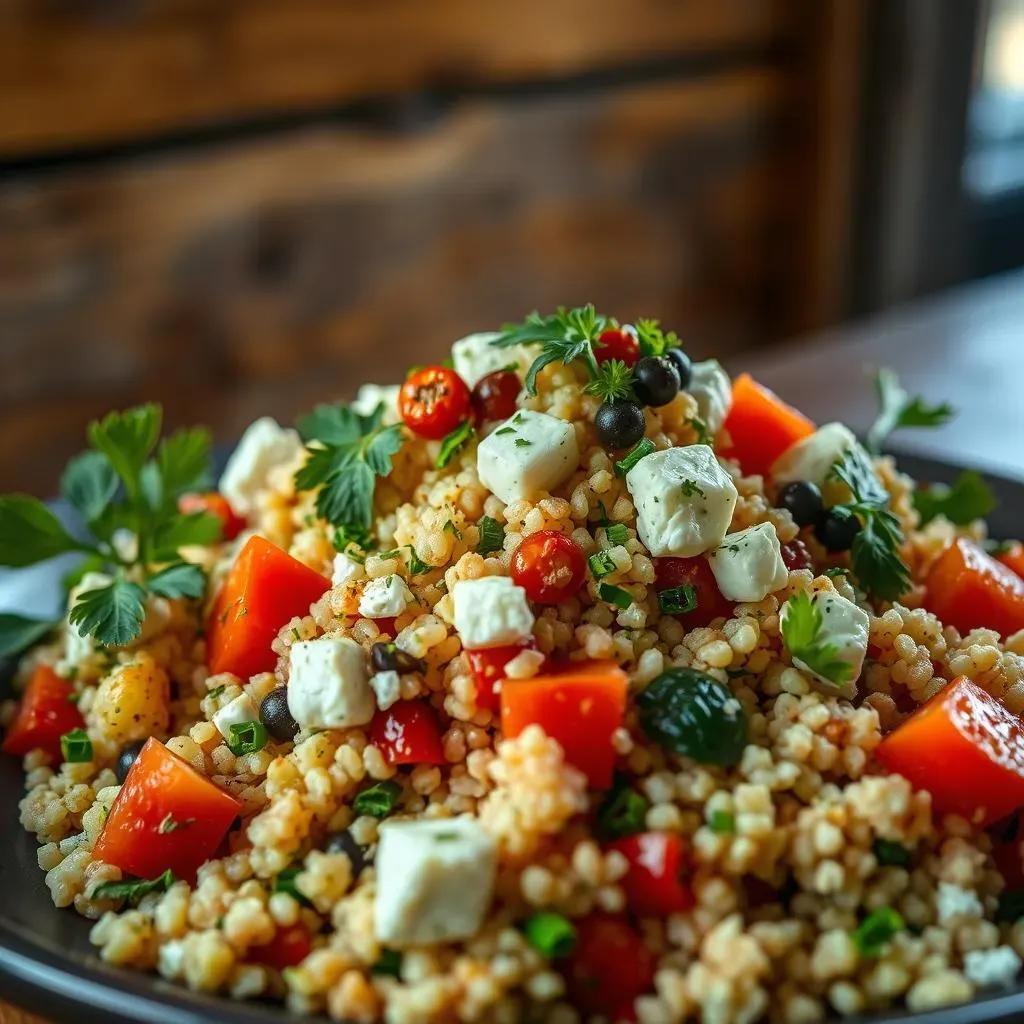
[1013,557]
[434,401]
[215,504]
[654,884]
[610,966]
[496,395]
[44,715]
[617,343]
[488,666]
[670,573]
[409,732]
[549,566]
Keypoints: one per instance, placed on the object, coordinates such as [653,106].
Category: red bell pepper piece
[654,883]
[44,715]
[167,815]
[694,572]
[288,948]
[214,504]
[488,667]
[966,749]
[265,588]
[409,732]
[610,966]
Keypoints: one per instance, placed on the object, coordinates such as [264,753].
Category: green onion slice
[643,448]
[247,738]
[76,747]
[550,934]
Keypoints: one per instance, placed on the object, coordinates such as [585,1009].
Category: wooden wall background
[246,206]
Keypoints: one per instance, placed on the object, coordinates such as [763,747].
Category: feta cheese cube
[435,880]
[235,712]
[954,902]
[388,688]
[812,458]
[845,627]
[684,500]
[490,612]
[264,445]
[384,598]
[345,570]
[527,455]
[711,387]
[369,396]
[328,686]
[748,565]
[474,357]
[999,966]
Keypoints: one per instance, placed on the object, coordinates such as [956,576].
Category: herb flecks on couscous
[572,681]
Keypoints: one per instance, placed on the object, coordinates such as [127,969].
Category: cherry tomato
[215,504]
[44,715]
[549,566]
[654,884]
[288,948]
[617,343]
[695,572]
[610,966]
[409,732]
[796,556]
[488,667]
[495,396]
[434,401]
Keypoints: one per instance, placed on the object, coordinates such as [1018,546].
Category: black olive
[619,424]
[342,842]
[837,530]
[683,364]
[803,502]
[656,380]
[127,757]
[276,717]
[386,657]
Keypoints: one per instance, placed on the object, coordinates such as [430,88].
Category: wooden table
[966,347]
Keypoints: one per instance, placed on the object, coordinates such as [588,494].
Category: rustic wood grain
[12,1015]
[74,72]
[260,278]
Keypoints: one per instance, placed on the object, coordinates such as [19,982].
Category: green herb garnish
[802,624]
[877,930]
[652,340]
[700,428]
[171,824]
[722,822]
[285,882]
[76,747]
[615,595]
[552,935]
[389,964]
[968,499]
[133,889]
[623,812]
[17,633]
[351,535]
[601,564]
[379,800]
[616,533]
[492,536]
[247,738]
[690,488]
[614,381]
[1011,907]
[677,600]
[889,853]
[454,443]
[450,527]
[643,448]
[522,442]
[898,409]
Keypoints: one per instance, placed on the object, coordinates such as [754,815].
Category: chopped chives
[643,448]
[617,533]
[550,934]
[601,564]
[76,747]
[677,600]
[379,800]
[876,931]
[615,595]
[247,738]
[133,889]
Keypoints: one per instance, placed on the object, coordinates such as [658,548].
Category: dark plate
[47,965]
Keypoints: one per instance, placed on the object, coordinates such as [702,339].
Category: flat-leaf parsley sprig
[802,625]
[131,481]
[898,409]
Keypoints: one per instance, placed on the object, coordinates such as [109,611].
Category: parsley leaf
[89,484]
[454,443]
[802,624]
[30,532]
[133,890]
[183,463]
[17,634]
[653,341]
[113,614]
[180,531]
[898,409]
[968,499]
[492,536]
[179,580]
[127,439]
[614,381]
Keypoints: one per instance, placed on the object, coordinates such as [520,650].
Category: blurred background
[246,206]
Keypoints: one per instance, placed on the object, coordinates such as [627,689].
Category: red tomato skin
[696,572]
[1013,558]
[653,884]
[409,732]
[488,667]
[288,948]
[214,503]
[495,396]
[796,555]
[549,566]
[610,965]
[967,588]
[265,589]
[158,786]
[433,402]
[966,749]
[44,715]
[617,343]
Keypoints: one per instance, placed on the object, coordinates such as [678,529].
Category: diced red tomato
[761,426]
[167,815]
[617,343]
[796,555]
[694,572]
[968,588]
[44,715]
[265,588]
[654,884]
[580,707]
[610,966]
[409,732]
[434,401]
[549,566]
[387,625]
[488,667]
[966,749]
[215,504]
[288,948]
[495,396]
[1013,558]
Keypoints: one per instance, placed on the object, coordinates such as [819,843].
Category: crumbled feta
[369,396]
[435,879]
[999,966]
[388,688]
[684,500]
[527,455]
[474,357]
[953,902]
[525,665]
[491,611]
[844,627]
[748,565]
[711,387]
[235,712]
[384,598]
[812,458]
[264,445]
[345,570]
[328,686]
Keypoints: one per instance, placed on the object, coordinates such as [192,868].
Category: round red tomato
[610,965]
[214,504]
[549,566]
[495,396]
[434,401]
[409,732]
[617,343]
[695,572]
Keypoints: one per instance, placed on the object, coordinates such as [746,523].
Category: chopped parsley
[643,448]
[133,889]
[623,811]
[614,381]
[700,428]
[285,882]
[502,431]
[450,527]
[378,800]
[522,442]
[454,443]
[898,410]
[802,625]
[492,536]
[968,499]
[877,930]
[652,339]
[601,564]
[889,853]
[677,600]
[690,488]
[722,822]
[389,964]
